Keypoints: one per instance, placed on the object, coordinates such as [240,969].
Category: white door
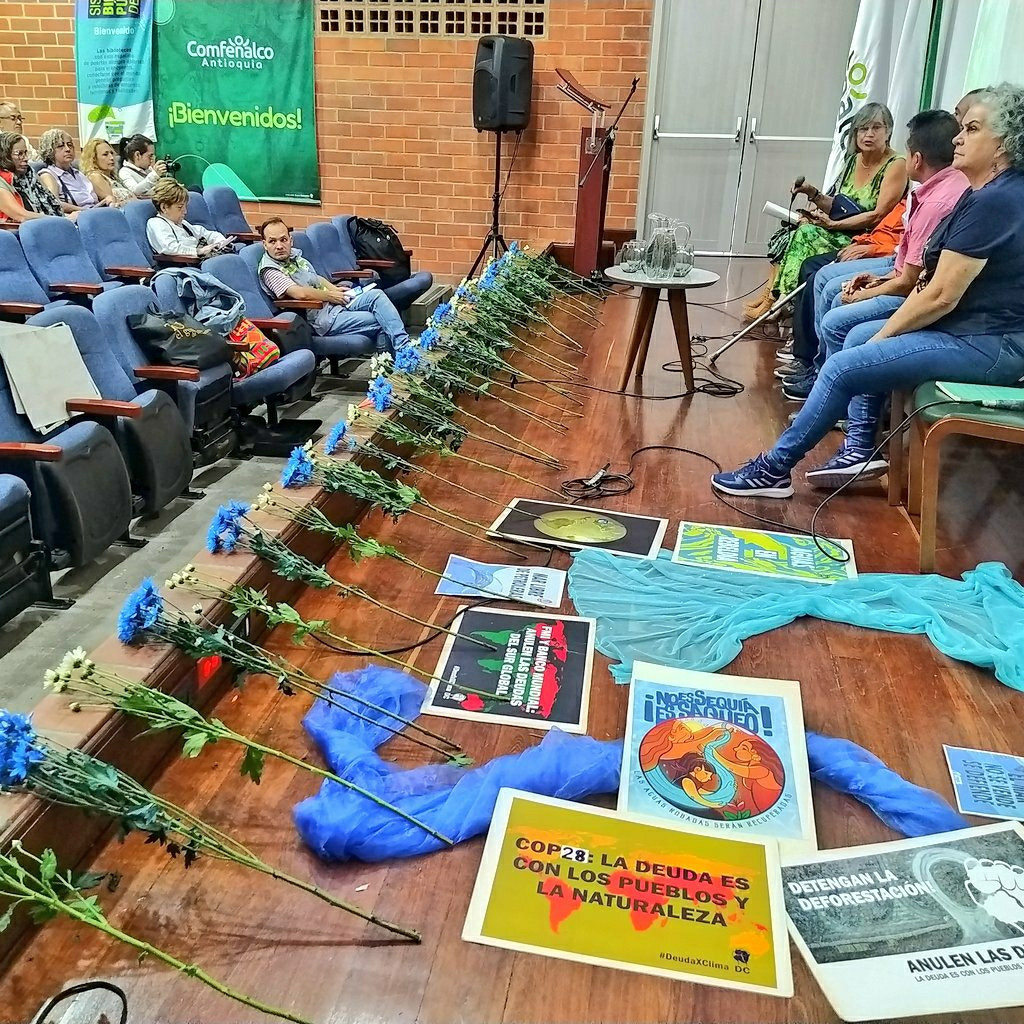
[743,100]
[697,113]
[799,67]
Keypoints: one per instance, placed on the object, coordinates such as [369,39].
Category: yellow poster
[596,886]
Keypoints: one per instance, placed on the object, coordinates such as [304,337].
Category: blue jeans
[837,323]
[370,313]
[861,375]
[829,281]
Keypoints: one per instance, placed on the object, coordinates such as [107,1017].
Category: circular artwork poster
[712,769]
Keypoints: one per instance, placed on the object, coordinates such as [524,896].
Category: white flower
[172,582]
[197,608]
[268,487]
[49,678]
[189,568]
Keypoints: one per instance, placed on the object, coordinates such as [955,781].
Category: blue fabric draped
[908,809]
[677,615]
[339,824]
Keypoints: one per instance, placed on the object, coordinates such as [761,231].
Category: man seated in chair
[285,274]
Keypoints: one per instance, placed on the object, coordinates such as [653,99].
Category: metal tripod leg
[776,306]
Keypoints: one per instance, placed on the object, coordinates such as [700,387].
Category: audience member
[140,170]
[99,165]
[284,273]
[72,188]
[849,294]
[22,196]
[874,177]
[964,322]
[13,120]
[169,234]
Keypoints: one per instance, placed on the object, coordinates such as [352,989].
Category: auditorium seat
[227,213]
[203,397]
[81,494]
[138,213]
[290,377]
[108,241]
[24,571]
[148,427]
[338,262]
[403,294]
[21,295]
[54,250]
[239,272]
[198,213]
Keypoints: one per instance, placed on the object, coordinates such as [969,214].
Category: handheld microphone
[799,181]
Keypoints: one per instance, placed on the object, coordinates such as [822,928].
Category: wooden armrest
[408,252]
[351,275]
[20,308]
[177,261]
[28,450]
[76,288]
[298,304]
[375,264]
[134,273]
[167,373]
[103,407]
[8,225]
[246,236]
[267,323]
[238,346]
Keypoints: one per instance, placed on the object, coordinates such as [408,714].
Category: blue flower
[298,470]
[379,392]
[335,437]
[140,612]
[408,359]
[465,293]
[429,338]
[19,748]
[442,313]
[514,249]
[226,527]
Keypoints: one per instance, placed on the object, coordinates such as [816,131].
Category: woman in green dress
[874,176]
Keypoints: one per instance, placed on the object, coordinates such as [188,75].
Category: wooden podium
[595,167]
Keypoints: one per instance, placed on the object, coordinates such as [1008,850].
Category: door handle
[657,133]
[753,130]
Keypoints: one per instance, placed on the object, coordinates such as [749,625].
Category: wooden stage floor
[894,694]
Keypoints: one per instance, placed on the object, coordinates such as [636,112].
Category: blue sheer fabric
[677,615]
[339,824]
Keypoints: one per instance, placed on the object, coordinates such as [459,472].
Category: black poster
[537,676]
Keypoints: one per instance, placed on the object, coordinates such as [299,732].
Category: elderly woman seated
[22,196]
[169,234]
[72,188]
[964,323]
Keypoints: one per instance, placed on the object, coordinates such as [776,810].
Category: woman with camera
[169,234]
[140,170]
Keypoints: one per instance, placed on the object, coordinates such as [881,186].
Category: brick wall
[395,124]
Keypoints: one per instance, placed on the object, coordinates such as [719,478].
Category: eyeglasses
[20,118]
[876,127]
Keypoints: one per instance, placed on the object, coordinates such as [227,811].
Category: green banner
[234,95]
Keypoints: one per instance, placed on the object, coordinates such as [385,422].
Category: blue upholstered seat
[54,250]
[198,213]
[226,210]
[17,282]
[155,446]
[109,241]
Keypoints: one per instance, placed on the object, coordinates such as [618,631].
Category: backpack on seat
[375,240]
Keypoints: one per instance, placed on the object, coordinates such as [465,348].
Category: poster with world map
[601,887]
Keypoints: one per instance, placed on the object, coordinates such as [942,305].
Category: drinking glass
[632,256]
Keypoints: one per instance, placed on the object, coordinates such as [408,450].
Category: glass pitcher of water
[660,254]
[684,249]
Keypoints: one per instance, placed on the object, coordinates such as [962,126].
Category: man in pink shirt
[866,296]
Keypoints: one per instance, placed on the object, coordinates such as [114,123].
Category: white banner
[886,65]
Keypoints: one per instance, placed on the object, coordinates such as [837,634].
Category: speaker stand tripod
[495,240]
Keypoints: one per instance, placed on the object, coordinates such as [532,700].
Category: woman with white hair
[74,191]
[964,323]
[874,177]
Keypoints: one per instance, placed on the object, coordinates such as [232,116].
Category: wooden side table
[647,310]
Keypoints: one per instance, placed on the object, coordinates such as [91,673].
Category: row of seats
[65,496]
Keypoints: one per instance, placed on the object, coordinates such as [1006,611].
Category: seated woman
[72,188]
[874,177]
[99,165]
[169,234]
[140,170]
[22,196]
[964,323]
